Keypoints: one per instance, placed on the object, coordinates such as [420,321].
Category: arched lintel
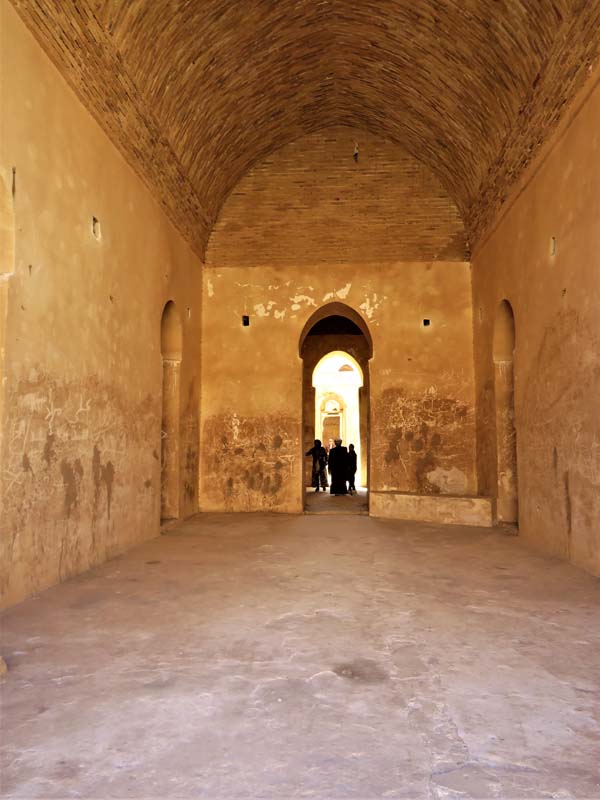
[340,310]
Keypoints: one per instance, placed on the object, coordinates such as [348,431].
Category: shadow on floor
[325,503]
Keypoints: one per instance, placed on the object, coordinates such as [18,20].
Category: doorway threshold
[325,503]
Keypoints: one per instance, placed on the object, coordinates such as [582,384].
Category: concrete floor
[251,656]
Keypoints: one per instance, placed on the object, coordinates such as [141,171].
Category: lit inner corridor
[280,656]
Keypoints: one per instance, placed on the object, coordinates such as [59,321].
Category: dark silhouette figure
[319,457]
[351,468]
[338,468]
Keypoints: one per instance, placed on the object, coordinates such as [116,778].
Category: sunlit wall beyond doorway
[337,379]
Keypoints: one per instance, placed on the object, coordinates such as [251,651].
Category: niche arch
[318,339]
[171,348]
[503,356]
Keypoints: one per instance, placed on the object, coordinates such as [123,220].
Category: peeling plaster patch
[262,310]
[448,481]
[371,305]
[341,293]
[210,288]
[298,299]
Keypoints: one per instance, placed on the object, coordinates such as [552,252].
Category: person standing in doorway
[351,468]
[338,468]
[319,457]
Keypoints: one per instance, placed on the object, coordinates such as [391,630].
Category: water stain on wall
[103,476]
[72,473]
[190,437]
[48,453]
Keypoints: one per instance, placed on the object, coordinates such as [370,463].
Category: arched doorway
[506,434]
[171,340]
[337,338]
[337,380]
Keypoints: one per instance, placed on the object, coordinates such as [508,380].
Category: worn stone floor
[324,503]
[251,656]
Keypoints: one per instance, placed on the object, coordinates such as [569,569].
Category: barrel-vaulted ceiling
[194,92]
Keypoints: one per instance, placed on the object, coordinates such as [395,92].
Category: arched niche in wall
[506,434]
[336,328]
[171,346]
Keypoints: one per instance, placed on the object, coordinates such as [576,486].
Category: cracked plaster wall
[556,300]
[81,368]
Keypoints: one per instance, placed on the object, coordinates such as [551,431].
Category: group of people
[340,462]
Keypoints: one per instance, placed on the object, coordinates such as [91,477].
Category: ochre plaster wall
[556,304]
[422,415]
[311,226]
[81,367]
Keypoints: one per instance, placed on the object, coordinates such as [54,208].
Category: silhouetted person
[351,468]
[319,457]
[338,468]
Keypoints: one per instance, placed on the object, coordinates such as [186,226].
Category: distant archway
[171,341]
[336,329]
[337,380]
[506,434]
